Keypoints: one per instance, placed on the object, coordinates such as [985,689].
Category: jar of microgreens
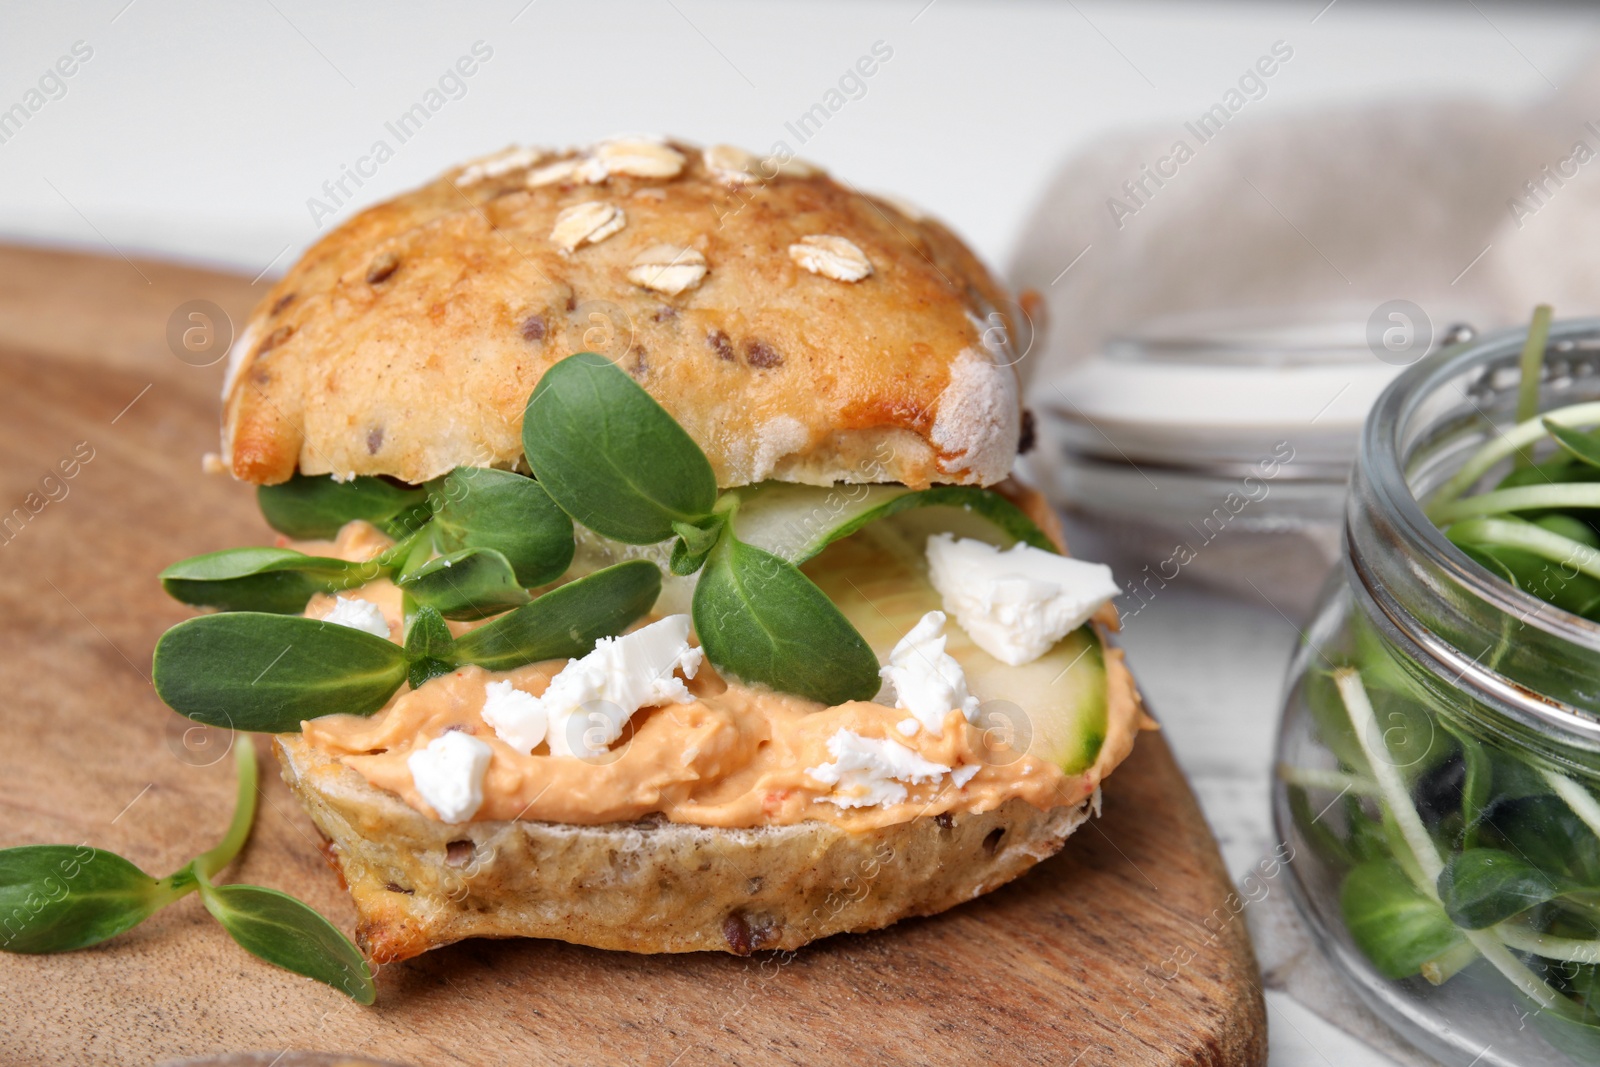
[1216,444]
[1439,774]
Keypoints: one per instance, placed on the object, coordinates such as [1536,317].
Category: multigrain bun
[653,885]
[796,328]
[660,886]
[649,886]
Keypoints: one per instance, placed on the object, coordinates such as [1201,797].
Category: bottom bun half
[651,885]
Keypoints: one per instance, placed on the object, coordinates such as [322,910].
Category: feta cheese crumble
[449,774]
[1015,604]
[517,718]
[927,680]
[357,614]
[589,702]
[866,771]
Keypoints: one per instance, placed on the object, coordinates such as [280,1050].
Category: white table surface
[201,131]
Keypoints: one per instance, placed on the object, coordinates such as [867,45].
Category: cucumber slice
[798,521]
[1053,708]
[594,552]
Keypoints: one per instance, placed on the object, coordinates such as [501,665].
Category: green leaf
[1578,1038]
[611,456]
[279,929]
[476,507]
[277,580]
[308,506]
[410,553]
[1393,922]
[1327,842]
[761,620]
[430,649]
[1484,886]
[54,898]
[251,671]
[565,622]
[694,544]
[473,583]
[1542,829]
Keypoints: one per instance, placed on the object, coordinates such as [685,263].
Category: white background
[201,131]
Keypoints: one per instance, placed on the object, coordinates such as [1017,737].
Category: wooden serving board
[1122,950]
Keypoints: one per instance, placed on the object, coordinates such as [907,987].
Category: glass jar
[1227,432]
[1439,759]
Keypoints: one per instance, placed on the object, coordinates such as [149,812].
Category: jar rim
[1382,469]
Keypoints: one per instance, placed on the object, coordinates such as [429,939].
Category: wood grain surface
[1125,949]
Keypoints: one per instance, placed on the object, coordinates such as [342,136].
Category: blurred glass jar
[1217,445]
[1440,746]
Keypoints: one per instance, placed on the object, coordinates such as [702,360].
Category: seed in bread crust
[731,165]
[382,266]
[559,171]
[590,222]
[668,268]
[793,167]
[720,344]
[832,257]
[500,163]
[274,339]
[638,159]
[761,355]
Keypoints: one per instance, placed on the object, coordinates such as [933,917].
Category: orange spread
[735,757]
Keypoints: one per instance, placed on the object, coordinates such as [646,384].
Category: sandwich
[649,572]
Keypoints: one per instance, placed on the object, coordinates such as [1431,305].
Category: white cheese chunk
[517,718]
[1016,604]
[357,614]
[927,680]
[964,773]
[449,774]
[590,701]
[866,771]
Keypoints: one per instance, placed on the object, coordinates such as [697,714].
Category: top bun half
[797,329]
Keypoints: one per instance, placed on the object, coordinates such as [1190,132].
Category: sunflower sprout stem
[1391,785]
[1575,416]
[1525,939]
[1451,963]
[1521,498]
[1532,360]
[1513,533]
[209,863]
[1331,781]
[1579,799]
[1420,844]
